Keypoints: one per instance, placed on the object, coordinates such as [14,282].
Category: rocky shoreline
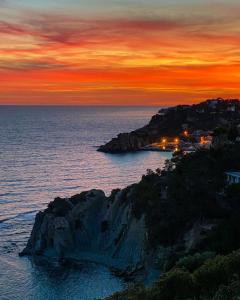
[93,227]
[171,122]
[105,230]
[127,142]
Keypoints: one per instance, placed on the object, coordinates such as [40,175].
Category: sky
[118,52]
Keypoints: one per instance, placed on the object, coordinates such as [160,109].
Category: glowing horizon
[118,53]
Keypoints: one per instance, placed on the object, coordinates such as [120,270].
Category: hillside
[171,122]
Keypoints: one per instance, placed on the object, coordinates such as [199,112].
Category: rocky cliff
[91,226]
[134,140]
[118,231]
[125,142]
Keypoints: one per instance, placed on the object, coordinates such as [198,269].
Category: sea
[50,151]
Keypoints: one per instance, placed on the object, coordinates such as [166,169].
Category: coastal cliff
[108,230]
[173,121]
[180,222]
[93,227]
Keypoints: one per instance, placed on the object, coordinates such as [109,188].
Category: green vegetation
[217,278]
[196,192]
[192,262]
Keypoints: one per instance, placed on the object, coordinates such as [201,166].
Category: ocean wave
[23,215]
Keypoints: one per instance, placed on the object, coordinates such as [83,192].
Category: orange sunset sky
[102,52]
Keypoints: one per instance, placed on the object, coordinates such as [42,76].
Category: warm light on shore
[176,140]
[164,140]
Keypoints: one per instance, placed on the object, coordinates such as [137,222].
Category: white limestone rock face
[91,226]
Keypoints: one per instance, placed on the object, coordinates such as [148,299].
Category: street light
[176,141]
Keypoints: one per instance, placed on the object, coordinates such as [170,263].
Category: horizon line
[87,105]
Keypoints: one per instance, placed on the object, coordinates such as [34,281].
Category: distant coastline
[185,127]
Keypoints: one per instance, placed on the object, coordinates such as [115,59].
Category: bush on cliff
[193,262]
[148,200]
[217,278]
[175,284]
[228,292]
[218,271]
[196,189]
[199,178]
[146,195]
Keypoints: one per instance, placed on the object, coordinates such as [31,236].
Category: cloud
[54,29]
[123,42]
[11,28]
[58,53]
[62,29]
[27,65]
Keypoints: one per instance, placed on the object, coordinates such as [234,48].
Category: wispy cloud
[152,54]
[26,65]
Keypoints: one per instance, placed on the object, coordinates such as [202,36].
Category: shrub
[175,284]
[228,292]
[217,271]
[192,262]
[216,279]
[136,293]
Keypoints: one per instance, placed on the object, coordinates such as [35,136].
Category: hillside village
[192,139]
[183,127]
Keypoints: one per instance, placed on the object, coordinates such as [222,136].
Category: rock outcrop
[135,140]
[125,142]
[93,227]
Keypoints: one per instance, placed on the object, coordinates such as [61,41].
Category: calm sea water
[51,151]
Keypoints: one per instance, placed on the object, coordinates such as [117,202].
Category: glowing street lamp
[185,133]
[176,141]
[164,140]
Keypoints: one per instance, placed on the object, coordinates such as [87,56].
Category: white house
[233,177]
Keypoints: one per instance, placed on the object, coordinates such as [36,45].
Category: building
[231,108]
[233,177]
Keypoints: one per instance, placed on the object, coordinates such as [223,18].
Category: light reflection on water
[51,151]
